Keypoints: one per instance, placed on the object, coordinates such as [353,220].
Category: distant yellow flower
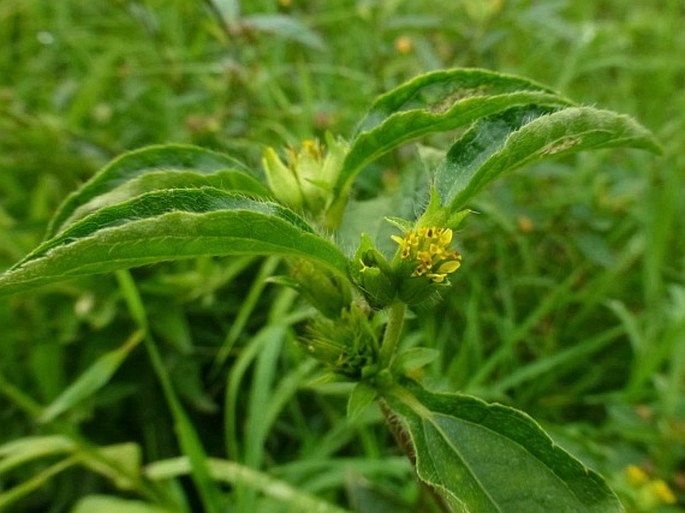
[525,224]
[403,45]
[660,489]
[428,248]
[636,476]
[652,491]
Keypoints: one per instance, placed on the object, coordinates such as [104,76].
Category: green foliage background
[570,304]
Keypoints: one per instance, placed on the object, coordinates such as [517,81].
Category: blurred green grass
[571,302]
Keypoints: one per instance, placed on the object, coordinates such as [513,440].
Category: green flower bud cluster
[373,275]
[348,345]
[328,293]
[346,337]
[305,180]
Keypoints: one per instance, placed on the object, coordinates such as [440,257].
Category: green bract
[169,202]
[305,181]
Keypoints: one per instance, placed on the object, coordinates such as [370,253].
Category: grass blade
[233,473]
[188,438]
[92,380]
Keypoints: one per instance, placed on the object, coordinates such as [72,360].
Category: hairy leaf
[488,458]
[437,102]
[134,164]
[509,140]
[167,225]
[226,179]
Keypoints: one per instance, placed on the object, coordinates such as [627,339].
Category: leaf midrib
[426,415]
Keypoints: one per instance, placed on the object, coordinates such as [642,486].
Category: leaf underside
[487,458]
[509,122]
[438,102]
[502,143]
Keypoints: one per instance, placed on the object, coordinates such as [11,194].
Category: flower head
[305,180]
[648,493]
[428,251]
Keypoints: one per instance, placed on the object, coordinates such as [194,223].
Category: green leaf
[486,458]
[134,164]
[231,472]
[225,179]
[520,136]
[92,380]
[360,399]
[22,450]
[109,504]
[168,225]
[287,27]
[120,463]
[27,486]
[414,358]
[437,102]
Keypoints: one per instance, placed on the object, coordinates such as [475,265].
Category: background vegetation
[570,304]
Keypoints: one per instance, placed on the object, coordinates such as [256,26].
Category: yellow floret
[660,488]
[428,247]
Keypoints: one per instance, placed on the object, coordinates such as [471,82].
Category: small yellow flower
[428,248]
[636,476]
[662,491]
[651,492]
[403,45]
[525,224]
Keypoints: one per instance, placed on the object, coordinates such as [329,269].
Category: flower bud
[373,274]
[282,180]
[306,180]
[348,345]
[328,293]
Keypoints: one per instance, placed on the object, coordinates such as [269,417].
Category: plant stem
[19,398]
[393,330]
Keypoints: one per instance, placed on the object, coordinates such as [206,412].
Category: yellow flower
[661,490]
[636,476]
[403,45]
[652,491]
[428,249]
